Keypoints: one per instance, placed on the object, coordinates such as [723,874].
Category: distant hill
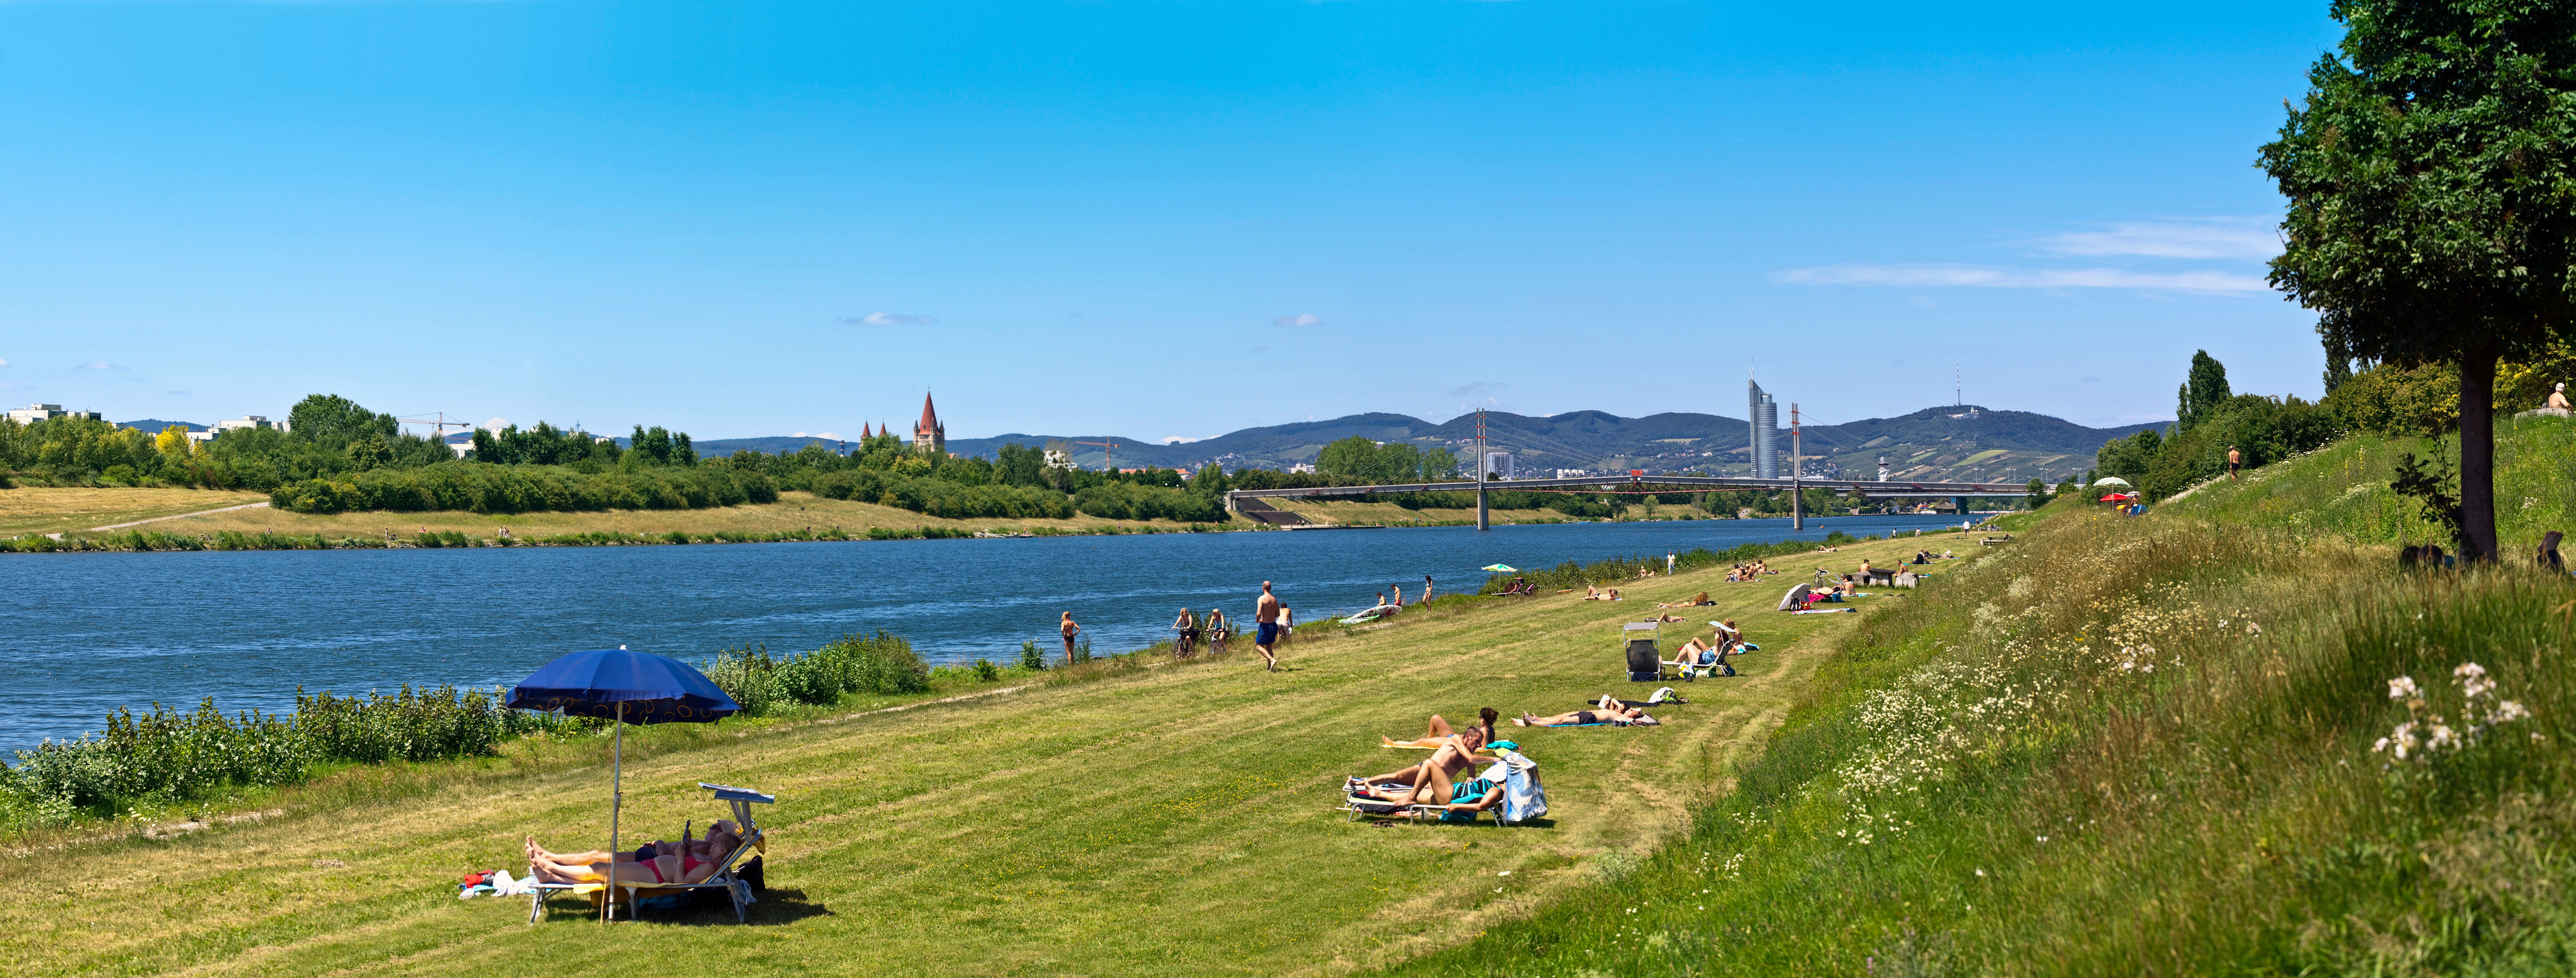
[1958,442]
[156,425]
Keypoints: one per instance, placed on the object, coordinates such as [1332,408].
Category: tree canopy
[2431,175]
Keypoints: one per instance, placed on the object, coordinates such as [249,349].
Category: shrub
[986,671]
[1031,659]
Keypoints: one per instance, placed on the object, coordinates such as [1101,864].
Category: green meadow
[2230,737]
[1124,817]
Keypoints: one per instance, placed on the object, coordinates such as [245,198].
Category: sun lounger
[727,877]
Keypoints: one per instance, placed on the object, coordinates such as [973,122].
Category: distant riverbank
[53,520]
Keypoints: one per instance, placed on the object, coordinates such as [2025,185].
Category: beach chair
[727,877]
[1645,663]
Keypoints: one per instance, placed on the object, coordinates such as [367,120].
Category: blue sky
[1149,219]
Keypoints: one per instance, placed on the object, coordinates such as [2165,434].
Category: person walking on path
[1265,615]
[1068,629]
[1668,563]
[2233,460]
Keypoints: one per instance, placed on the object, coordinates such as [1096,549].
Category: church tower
[929,434]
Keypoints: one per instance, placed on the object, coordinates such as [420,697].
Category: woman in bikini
[1432,786]
[1607,711]
[1438,732]
[661,862]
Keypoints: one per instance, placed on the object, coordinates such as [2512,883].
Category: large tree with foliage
[2202,392]
[2431,176]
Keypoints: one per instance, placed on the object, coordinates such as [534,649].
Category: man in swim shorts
[1266,613]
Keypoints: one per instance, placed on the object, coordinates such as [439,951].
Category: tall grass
[2137,747]
[882,663]
[2343,490]
[164,755]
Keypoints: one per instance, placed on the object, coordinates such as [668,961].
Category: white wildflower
[2509,711]
[2403,687]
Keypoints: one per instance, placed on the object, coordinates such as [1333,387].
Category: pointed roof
[863,431]
[929,418]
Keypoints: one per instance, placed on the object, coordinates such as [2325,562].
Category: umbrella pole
[616,800]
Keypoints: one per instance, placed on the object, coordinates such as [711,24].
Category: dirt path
[178,516]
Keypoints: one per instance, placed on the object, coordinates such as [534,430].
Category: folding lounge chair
[727,877]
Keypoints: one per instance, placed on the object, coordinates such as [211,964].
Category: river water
[82,634]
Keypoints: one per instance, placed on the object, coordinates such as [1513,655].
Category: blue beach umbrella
[628,687]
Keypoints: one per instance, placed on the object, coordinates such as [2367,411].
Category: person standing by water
[1426,589]
[1669,558]
[1068,629]
[1265,616]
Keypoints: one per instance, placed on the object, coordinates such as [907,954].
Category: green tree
[2430,175]
[335,421]
[1354,457]
[2203,391]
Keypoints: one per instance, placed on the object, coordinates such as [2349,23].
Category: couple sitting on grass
[1591,593]
[660,863]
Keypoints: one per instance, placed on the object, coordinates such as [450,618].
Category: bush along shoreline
[164,758]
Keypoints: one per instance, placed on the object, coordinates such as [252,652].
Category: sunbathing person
[1455,754]
[1438,732]
[1692,603]
[1432,786]
[661,863]
[1609,710]
[1609,595]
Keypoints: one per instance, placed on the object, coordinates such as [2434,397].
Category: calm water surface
[81,634]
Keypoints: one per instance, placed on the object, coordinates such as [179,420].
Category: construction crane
[438,425]
[1108,453]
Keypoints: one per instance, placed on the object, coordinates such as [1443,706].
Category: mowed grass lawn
[1173,820]
[46,510]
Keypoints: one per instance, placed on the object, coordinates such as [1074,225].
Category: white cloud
[891,319]
[496,424]
[4,363]
[798,434]
[1915,276]
[1301,319]
[826,434]
[1177,440]
[98,365]
[2215,237]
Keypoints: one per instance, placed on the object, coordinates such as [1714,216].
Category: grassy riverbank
[2148,747]
[42,510]
[1172,819]
[72,511]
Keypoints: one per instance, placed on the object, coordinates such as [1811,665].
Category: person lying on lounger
[689,861]
[1432,786]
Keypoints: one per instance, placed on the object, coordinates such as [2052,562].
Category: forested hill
[1955,441]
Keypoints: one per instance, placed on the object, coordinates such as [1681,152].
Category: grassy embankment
[1165,820]
[71,511]
[2147,747]
[25,510]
